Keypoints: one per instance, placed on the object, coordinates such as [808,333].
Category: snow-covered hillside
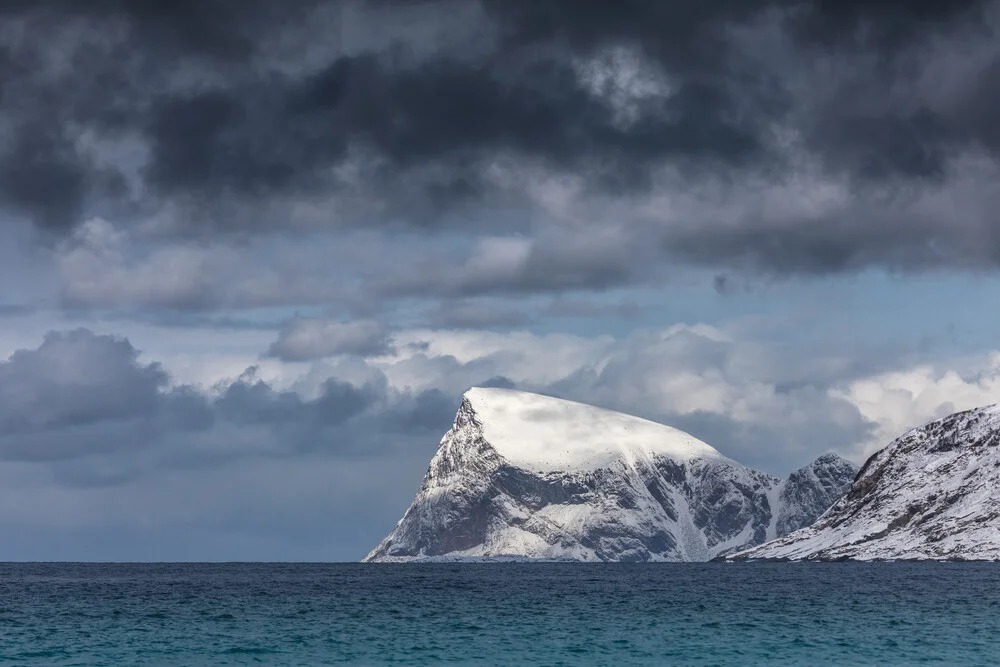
[529,476]
[933,493]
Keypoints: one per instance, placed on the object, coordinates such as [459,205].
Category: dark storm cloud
[882,23]
[676,28]
[278,137]
[870,147]
[224,29]
[898,237]
[270,133]
[37,165]
[236,107]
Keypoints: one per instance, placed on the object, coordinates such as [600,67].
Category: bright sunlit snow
[542,433]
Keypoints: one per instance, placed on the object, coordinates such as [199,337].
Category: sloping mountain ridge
[931,494]
[526,476]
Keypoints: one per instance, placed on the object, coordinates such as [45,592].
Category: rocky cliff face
[933,493]
[810,491]
[527,476]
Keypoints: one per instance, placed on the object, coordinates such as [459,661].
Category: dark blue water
[511,614]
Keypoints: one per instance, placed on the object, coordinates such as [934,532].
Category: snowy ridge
[932,494]
[545,434]
[523,476]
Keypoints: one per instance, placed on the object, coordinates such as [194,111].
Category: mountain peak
[543,433]
[812,489]
[521,475]
[828,459]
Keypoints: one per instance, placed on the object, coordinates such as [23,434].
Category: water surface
[511,614]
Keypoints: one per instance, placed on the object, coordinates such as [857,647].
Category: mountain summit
[521,475]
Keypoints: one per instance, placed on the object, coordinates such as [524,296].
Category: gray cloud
[307,338]
[499,382]
[82,395]
[766,407]
[596,260]
[104,440]
[214,116]
[75,378]
[87,406]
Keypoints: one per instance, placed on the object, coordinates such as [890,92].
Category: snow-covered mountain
[933,493]
[529,476]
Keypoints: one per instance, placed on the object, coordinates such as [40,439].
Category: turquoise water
[511,614]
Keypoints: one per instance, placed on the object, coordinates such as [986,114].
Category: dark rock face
[474,504]
[810,491]
[933,493]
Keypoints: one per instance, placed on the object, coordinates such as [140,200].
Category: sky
[252,253]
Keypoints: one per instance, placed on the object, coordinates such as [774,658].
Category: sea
[500,614]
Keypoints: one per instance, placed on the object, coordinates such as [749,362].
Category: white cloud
[902,400]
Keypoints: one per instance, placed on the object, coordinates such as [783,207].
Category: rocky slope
[933,493]
[810,491]
[526,476]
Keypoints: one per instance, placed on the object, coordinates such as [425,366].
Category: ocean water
[507,614]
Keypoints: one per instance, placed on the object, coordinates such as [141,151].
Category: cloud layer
[773,136]
[90,429]
[80,394]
